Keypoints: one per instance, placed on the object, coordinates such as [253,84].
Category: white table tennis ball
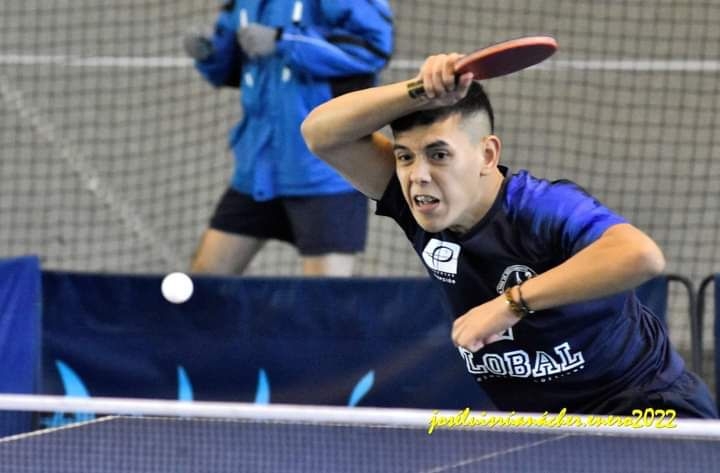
[177,287]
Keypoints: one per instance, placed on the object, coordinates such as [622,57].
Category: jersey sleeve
[563,215]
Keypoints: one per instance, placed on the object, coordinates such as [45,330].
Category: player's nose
[420,172]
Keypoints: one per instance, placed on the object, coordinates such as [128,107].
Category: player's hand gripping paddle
[499,59]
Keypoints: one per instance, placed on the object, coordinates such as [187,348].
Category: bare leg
[331,264]
[224,253]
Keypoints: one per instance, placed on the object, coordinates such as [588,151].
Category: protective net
[114,149]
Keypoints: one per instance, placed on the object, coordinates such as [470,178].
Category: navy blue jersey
[574,356]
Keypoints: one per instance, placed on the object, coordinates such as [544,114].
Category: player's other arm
[622,258]
[344,131]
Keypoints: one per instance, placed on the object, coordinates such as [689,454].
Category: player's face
[441,173]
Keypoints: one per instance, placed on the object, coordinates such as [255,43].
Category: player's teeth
[424,199]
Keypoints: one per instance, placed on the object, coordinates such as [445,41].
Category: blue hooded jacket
[325,48]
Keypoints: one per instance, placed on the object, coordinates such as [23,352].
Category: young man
[538,273]
[287,56]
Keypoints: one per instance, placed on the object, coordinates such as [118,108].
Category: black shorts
[688,396]
[316,225]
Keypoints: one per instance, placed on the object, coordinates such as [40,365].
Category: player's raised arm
[344,131]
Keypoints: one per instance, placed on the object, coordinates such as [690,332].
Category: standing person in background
[287,57]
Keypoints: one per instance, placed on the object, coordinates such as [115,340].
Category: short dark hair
[475,101]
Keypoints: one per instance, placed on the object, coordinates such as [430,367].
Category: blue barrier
[19,334]
[372,342]
[362,341]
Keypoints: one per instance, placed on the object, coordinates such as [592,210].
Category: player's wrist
[521,300]
[413,90]
[515,302]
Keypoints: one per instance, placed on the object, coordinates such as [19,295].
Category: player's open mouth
[424,201]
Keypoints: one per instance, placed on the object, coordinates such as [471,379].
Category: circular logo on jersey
[514,275]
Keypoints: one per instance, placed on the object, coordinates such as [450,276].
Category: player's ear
[490,147]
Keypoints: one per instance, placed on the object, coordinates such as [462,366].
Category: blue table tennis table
[131,444]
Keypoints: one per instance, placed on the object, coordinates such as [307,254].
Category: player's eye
[402,157]
[439,155]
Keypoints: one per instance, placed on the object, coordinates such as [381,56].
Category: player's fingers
[463,84]
[457,330]
[420,77]
[455,57]
[454,336]
[431,74]
[458,324]
[475,345]
[446,72]
[467,340]
[449,77]
[463,336]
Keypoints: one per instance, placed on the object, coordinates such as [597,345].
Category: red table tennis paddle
[499,59]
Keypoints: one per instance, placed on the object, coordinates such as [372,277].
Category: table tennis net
[61,434]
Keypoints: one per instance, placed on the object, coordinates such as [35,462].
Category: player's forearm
[354,116]
[620,260]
